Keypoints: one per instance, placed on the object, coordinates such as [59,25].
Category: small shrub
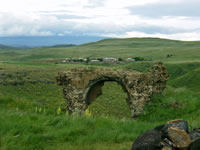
[120,59]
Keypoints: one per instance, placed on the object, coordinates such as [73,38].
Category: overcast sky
[173,19]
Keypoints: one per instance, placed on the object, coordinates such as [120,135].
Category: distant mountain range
[61,45]
[5,47]
[27,42]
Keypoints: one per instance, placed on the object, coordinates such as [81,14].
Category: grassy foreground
[24,127]
[29,130]
[32,116]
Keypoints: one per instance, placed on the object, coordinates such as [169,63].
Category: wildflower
[40,110]
[66,113]
[87,113]
[58,110]
[36,109]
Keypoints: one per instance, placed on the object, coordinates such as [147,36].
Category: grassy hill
[150,48]
[188,80]
[4,47]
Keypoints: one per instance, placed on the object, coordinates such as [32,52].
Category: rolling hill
[188,80]
[150,48]
[4,47]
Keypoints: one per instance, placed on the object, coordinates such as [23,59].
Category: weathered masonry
[81,86]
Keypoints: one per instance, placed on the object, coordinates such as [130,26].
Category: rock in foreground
[174,135]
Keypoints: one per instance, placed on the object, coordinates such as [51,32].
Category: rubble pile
[174,135]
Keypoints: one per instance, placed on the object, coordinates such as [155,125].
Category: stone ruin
[81,86]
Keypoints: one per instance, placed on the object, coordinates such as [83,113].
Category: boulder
[179,123]
[179,137]
[149,140]
[173,136]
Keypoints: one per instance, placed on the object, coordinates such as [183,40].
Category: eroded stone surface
[167,144]
[167,148]
[179,123]
[81,86]
[179,137]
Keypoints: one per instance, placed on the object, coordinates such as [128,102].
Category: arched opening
[108,97]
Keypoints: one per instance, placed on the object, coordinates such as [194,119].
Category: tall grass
[29,130]
[22,127]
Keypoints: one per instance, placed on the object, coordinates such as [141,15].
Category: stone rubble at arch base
[81,86]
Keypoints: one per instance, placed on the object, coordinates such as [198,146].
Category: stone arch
[80,83]
[94,88]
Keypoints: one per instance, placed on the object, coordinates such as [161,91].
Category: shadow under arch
[94,89]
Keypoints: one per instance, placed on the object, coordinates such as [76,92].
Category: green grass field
[32,107]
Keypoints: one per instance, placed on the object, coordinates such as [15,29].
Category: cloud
[182,8]
[186,36]
[122,18]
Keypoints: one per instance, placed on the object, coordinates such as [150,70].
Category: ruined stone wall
[81,86]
